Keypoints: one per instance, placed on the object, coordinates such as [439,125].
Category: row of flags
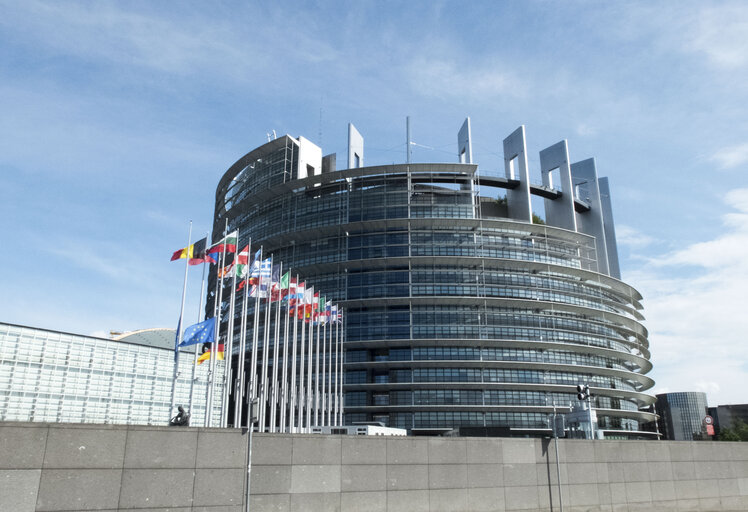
[199,253]
[260,278]
[304,304]
[264,278]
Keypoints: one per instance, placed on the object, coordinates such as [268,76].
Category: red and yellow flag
[195,252]
[206,355]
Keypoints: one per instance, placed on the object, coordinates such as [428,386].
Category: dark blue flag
[204,332]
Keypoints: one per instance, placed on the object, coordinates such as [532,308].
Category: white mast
[199,314]
[309,392]
[316,372]
[276,343]
[255,335]
[216,341]
[284,364]
[264,395]
[239,392]
[178,339]
[229,347]
[294,393]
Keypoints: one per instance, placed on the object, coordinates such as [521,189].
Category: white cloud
[230,43]
[660,389]
[586,129]
[632,237]
[726,253]
[695,302]
[708,387]
[713,32]
[101,31]
[732,156]
[444,78]
[719,33]
[738,199]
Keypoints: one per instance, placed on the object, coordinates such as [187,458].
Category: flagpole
[333,385]
[217,340]
[316,374]
[214,343]
[208,389]
[276,343]
[344,319]
[292,385]
[229,348]
[265,354]
[330,396]
[309,392]
[179,329]
[314,346]
[284,364]
[255,337]
[301,392]
[337,374]
[322,331]
[339,329]
[199,314]
[328,381]
[338,368]
[324,367]
[239,394]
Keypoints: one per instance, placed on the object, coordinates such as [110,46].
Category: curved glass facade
[453,317]
[682,415]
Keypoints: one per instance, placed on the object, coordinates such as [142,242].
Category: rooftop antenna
[408,142]
[274,135]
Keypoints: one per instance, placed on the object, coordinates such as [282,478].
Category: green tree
[536,219]
[738,432]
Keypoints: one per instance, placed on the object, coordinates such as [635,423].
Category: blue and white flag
[266,269]
[204,332]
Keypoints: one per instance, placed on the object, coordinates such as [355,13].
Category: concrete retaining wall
[62,467]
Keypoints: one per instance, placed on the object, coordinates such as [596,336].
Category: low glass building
[56,376]
[463,308]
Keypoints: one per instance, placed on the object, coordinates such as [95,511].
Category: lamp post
[251,420]
[558,431]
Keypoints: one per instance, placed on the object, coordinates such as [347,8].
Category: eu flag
[204,332]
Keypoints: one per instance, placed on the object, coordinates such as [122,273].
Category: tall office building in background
[463,309]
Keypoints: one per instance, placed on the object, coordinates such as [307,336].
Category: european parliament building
[462,308]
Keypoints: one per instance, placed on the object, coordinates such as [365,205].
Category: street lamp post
[558,431]
[251,420]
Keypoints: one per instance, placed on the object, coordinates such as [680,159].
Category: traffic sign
[708,420]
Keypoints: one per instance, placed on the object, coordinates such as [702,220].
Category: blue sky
[118,119]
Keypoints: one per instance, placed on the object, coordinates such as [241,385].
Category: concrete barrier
[64,467]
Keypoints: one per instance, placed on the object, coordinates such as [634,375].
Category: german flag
[206,353]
